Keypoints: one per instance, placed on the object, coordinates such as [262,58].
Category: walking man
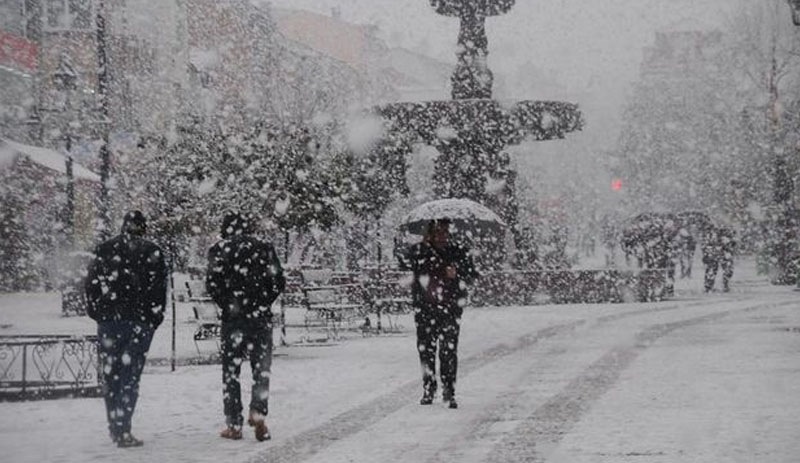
[244,278]
[719,247]
[126,292]
[441,272]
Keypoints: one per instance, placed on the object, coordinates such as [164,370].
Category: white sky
[589,50]
[585,43]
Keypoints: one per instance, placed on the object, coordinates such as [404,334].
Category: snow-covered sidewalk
[701,378]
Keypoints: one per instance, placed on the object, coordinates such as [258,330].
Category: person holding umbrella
[442,270]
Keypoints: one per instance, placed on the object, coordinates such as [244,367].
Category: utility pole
[69,216]
[105,122]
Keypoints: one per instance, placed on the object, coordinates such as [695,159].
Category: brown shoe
[231,432]
[256,420]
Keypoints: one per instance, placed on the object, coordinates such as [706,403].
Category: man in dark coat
[126,291]
[441,272]
[719,248]
[244,278]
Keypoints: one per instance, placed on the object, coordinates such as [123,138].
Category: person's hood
[134,224]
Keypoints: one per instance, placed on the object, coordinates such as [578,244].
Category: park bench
[390,298]
[206,314]
[292,295]
[331,307]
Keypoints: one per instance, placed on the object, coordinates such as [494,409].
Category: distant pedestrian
[610,238]
[728,245]
[126,292]
[719,248]
[244,278]
[686,246]
[442,270]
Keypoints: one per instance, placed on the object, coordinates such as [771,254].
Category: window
[68,14]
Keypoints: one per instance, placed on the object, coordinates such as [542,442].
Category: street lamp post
[65,80]
[102,90]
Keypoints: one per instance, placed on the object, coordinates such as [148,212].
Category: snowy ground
[701,378]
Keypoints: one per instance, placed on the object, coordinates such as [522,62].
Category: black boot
[126,440]
[426,399]
[428,391]
[449,397]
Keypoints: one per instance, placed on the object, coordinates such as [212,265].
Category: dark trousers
[712,266]
[727,273]
[123,347]
[686,264]
[440,332]
[711,273]
[240,340]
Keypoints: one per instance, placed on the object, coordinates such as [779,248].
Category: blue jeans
[123,347]
[239,341]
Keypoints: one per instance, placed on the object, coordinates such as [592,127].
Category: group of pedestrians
[718,247]
[126,289]
[664,242]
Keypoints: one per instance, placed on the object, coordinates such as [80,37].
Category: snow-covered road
[703,378]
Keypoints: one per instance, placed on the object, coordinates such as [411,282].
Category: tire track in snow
[548,424]
[302,446]
[481,432]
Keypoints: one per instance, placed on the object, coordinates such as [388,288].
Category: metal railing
[48,366]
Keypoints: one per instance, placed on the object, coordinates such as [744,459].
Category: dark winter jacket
[244,278]
[685,243]
[719,245]
[127,280]
[431,291]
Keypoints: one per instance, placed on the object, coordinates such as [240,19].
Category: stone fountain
[471,131]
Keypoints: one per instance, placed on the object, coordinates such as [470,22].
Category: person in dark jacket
[442,270]
[719,248]
[244,278]
[126,292]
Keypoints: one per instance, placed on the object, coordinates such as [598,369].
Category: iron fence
[48,366]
